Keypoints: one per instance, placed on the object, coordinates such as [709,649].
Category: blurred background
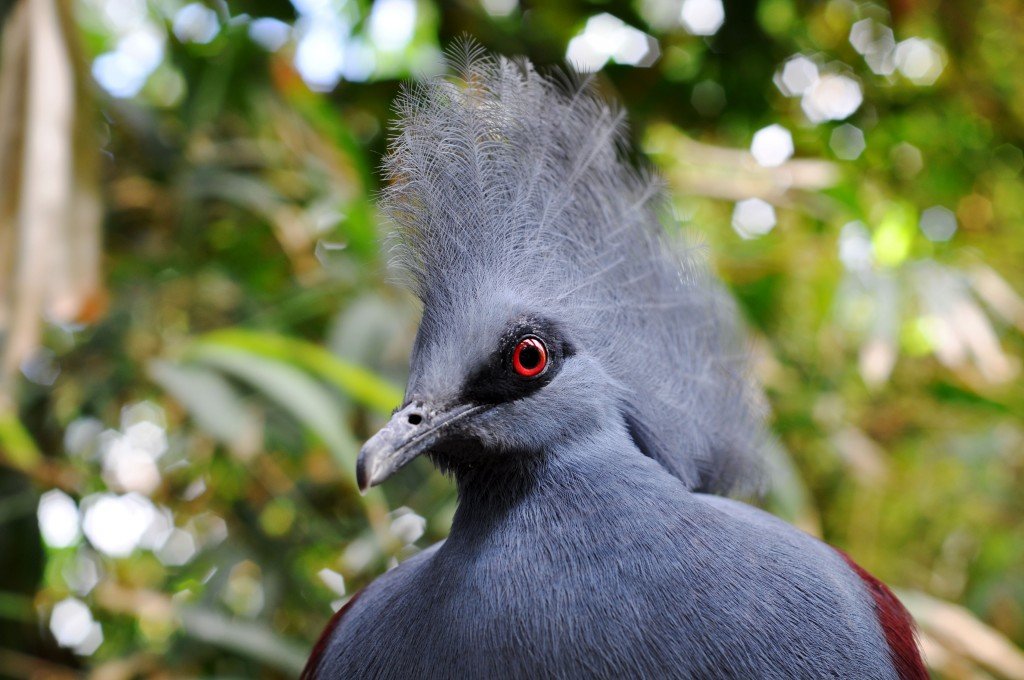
[197,328]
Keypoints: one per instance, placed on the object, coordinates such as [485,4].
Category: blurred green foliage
[202,432]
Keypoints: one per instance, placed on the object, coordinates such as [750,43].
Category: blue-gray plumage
[583,384]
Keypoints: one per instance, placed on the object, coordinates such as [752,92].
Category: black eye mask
[500,379]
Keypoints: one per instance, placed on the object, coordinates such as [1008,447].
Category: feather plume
[501,176]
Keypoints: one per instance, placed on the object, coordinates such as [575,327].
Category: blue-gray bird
[582,382]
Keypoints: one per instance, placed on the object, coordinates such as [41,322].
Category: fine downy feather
[501,177]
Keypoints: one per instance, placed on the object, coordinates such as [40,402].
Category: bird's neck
[570,478]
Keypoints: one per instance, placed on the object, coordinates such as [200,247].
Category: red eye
[530,357]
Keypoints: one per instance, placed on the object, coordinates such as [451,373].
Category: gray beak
[412,430]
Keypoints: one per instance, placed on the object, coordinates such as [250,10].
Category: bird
[583,378]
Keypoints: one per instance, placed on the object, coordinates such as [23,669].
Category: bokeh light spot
[116,524]
[178,549]
[73,626]
[333,580]
[58,519]
[847,142]
[407,526]
[831,97]
[876,43]
[855,249]
[320,56]
[125,70]
[130,459]
[772,146]
[938,223]
[392,23]
[41,367]
[269,33]
[607,38]
[499,8]
[906,159]
[753,217]
[702,17]
[895,234]
[708,98]
[195,23]
[919,60]
[798,74]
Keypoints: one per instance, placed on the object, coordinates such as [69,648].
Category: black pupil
[529,356]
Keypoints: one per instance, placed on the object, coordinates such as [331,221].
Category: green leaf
[895,234]
[362,386]
[213,403]
[247,638]
[307,400]
[16,444]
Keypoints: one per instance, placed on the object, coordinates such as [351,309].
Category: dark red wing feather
[897,625]
[312,665]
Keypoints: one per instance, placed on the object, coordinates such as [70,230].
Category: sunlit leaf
[293,390]
[247,638]
[17,447]
[361,385]
[212,402]
[894,235]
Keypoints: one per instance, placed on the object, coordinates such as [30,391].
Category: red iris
[530,357]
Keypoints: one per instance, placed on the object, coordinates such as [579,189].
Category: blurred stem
[17,664]
[698,169]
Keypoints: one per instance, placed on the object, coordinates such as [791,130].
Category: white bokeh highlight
[702,17]
[73,626]
[797,75]
[124,71]
[195,23]
[320,56]
[58,519]
[392,23]
[178,548]
[115,525]
[919,60]
[407,526]
[607,38]
[831,97]
[84,573]
[876,43]
[269,33]
[333,580]
[938,224]
[130,459]
[772,146]
[753,217]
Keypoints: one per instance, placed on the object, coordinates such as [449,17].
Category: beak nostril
[415,419]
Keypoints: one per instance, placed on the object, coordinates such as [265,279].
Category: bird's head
[496,382]
[553,304]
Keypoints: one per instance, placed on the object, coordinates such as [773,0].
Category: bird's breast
[617,584]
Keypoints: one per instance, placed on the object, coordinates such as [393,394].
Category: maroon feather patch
[310,671]
[896,624]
